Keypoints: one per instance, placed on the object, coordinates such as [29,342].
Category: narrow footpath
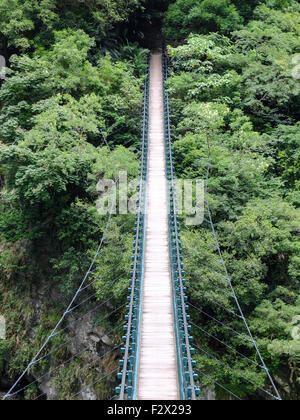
[157,373]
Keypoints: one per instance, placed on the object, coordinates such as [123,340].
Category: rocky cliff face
[91,343]
[77,356]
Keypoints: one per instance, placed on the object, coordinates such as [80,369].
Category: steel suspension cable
[217,383]
[183,337]
[70,339]
[78,291]
[63,345]
[232,295]
[129,351]
[218,304]
[225,344]
[62,364]
[264,367]
[234,371]
[95,383]
[98,358]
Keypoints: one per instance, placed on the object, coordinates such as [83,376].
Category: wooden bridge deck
[157,375]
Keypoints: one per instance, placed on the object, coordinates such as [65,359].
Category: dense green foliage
[66,102]
[70,113]
[236,108]
[222,16]
[185,16]
[29,24]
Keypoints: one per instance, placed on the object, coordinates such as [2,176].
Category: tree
[23,20]
[235,108]
[185,16]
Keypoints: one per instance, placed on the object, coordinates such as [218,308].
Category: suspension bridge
[157,359]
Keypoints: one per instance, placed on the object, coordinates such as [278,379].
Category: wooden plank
[157,375]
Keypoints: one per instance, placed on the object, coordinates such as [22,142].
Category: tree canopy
[70,115]
[235,106]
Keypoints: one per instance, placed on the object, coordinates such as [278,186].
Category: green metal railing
[130,351]
[185,351]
